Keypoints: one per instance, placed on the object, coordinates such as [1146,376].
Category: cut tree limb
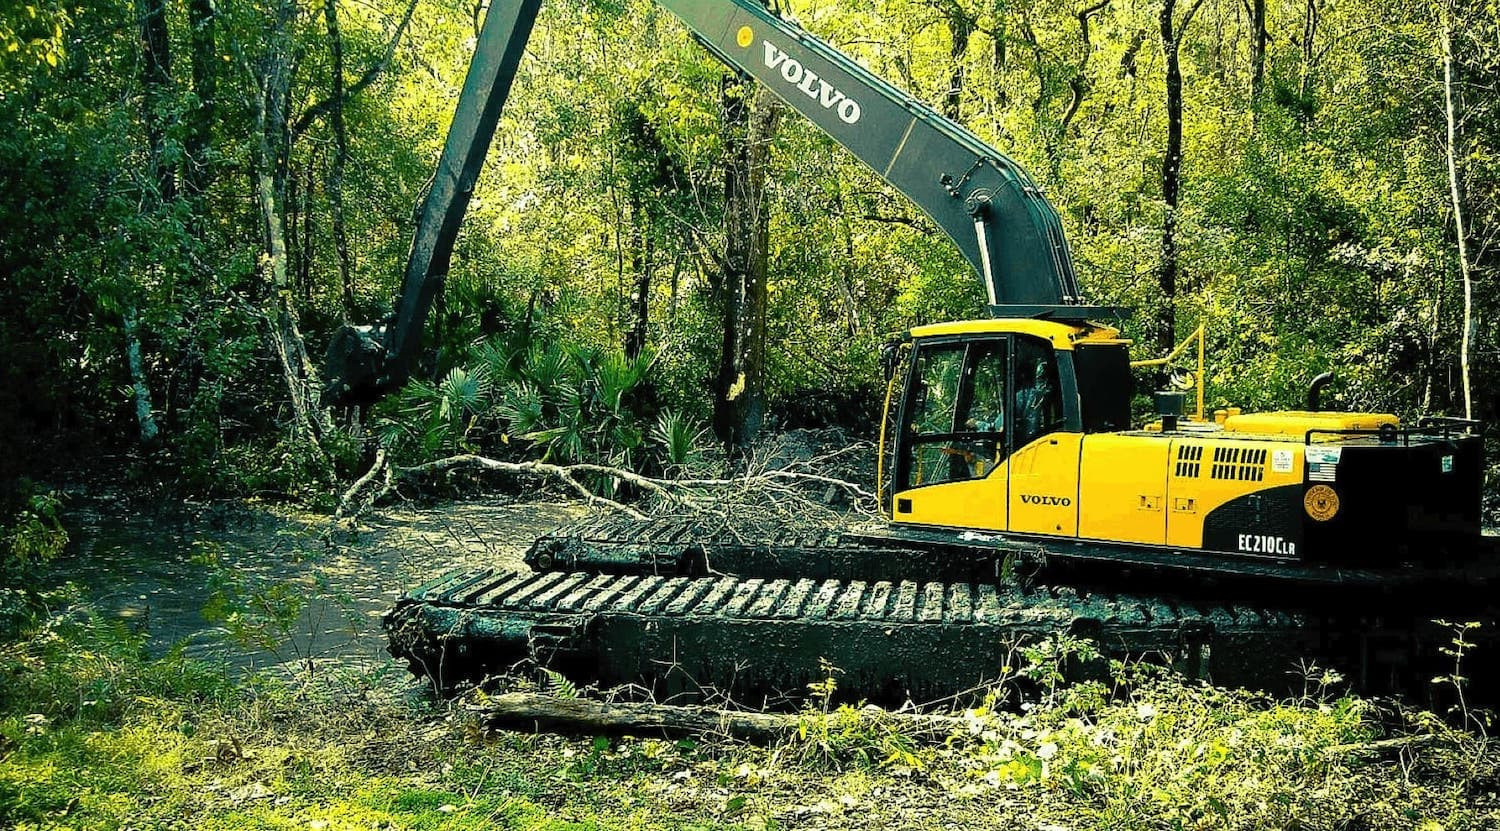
[563,474]
[533,711]
[716,497]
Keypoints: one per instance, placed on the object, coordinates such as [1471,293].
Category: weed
[850,735]
[1458,649]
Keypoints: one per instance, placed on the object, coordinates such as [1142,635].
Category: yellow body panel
[1044,486]
[1296,423]
[1060,335]
[1122,489]
[972,503]
[1204,474]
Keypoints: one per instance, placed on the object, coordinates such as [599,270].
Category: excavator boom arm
[1002,224]
[986,203]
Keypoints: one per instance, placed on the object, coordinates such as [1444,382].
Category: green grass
[94,736]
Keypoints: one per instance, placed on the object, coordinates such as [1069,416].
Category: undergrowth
[94,735]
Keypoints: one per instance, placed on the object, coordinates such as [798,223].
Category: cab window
[956,416]
[1038,407]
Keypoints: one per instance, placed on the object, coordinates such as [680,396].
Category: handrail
[1198,335]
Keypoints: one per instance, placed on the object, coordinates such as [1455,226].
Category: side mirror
[890,353]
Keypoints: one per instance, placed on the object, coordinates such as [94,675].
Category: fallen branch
[542,713]
[349,495]
[560,473]
[694,494]
[1381,747]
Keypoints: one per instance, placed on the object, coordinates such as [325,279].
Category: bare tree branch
[322,108]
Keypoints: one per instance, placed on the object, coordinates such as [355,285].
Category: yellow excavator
[1023,426]
[1261,537]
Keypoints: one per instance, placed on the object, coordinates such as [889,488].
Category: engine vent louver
[1244,464]
[1189,460]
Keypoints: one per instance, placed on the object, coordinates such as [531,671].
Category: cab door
[1043,469]
[951,468]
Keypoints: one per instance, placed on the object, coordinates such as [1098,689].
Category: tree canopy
[196,195]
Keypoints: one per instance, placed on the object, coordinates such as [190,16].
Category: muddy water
[156,568]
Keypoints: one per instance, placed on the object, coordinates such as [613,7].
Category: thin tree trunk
[340,154]
[640,297]
[1455,193]
[144,417]
[196,171]
[999,63]
[1432,361]
[846,271]
[306,235]
[270,172]
[1258,39]
[960,28]
[156,84]
[156,94]
[1310,20]
[1171,172]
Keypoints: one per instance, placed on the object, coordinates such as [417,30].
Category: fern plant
[678,438]
[564,403]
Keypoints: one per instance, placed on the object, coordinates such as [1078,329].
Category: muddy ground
[222,579]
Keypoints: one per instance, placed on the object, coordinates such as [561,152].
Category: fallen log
[544,713]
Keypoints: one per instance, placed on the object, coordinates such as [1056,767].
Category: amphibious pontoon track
[677,607]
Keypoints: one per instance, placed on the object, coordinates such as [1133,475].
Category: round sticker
[1321,502]
[744,37]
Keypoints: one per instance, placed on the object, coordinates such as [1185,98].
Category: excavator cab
[1022,426]
[984,416]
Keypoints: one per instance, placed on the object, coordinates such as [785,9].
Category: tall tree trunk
[270,172]
[1433,362]
[999,63]
[1311,17]
[196,171]
[749,119]
[960,28]
[156,86]
[1258,39]
[1171,172]
[1455,193]
[306,234]
[145,418]
[156,93]
[340,154]
[641,250]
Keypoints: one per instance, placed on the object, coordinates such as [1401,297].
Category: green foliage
[94,735]
[35,534]
[32,38]
[560,402]
[31,536]
[848,735]
[678,439]
[1315,222]
[1166,752]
